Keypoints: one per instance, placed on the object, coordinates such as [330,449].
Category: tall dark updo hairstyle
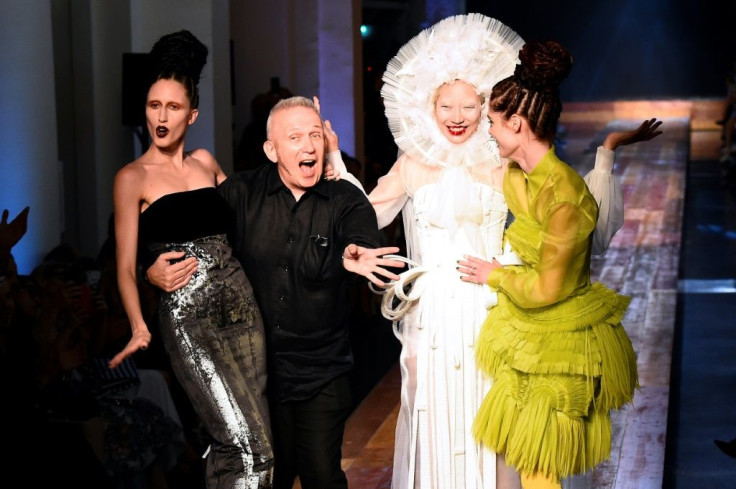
[178,56]
[533,90]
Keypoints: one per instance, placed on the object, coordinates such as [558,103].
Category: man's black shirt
[292,253]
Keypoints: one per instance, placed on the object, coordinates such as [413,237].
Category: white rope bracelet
[397,290]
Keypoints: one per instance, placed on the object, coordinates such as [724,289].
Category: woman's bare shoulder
[203,156]
[208,162]
[133,172]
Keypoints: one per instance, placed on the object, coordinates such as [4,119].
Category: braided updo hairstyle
[533,90]
[179,56]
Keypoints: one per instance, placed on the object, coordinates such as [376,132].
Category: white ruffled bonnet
[474,48]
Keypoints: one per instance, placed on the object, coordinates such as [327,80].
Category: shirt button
[291,239]
[282,297]
[286,268]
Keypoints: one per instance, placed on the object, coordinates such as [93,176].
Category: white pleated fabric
[441,386]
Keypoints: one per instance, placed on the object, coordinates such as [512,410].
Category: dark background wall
[631,49]
[623,49]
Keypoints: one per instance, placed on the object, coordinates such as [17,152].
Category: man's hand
[646,131]
[368,262]
[171,276]
[11,232]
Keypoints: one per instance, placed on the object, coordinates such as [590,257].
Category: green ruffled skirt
[558,371]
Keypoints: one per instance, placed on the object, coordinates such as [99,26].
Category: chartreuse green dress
[554,344]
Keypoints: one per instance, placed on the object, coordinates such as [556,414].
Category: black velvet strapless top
[184,216]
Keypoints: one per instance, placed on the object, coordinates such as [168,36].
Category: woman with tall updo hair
[166,201]
[554,343]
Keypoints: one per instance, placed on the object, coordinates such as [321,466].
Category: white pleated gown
[441,386]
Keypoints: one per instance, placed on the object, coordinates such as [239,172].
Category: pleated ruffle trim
[558,371]
[561,338]
[540,439]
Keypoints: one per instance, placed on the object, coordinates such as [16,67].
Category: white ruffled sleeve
[607,193]
[389,196]
[334,158]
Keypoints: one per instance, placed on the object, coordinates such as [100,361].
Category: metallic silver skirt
[213,333]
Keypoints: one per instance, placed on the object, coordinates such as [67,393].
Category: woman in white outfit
[447,183]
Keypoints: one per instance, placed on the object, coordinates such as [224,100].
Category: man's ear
[270,151]
[193,116]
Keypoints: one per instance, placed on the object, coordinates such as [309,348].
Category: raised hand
[11,232]
[646,131]
[332,142]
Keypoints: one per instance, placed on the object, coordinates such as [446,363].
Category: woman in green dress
[554,344]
